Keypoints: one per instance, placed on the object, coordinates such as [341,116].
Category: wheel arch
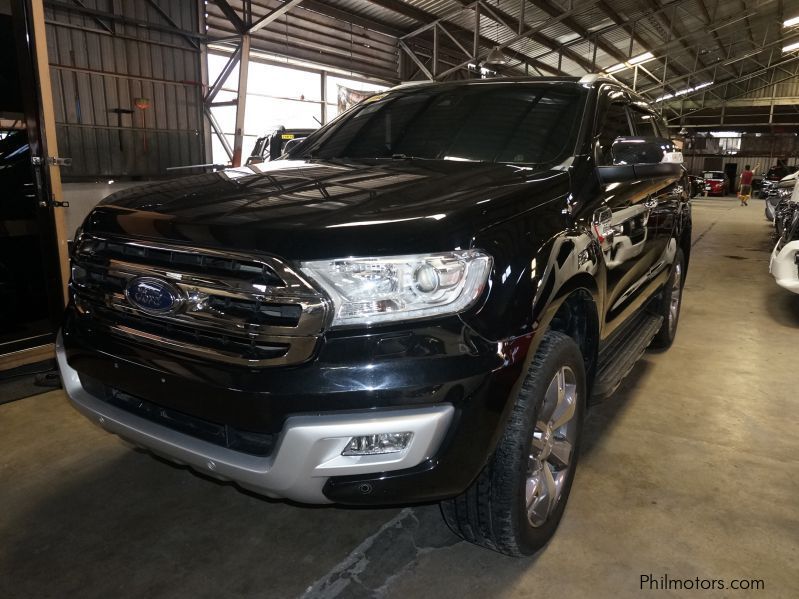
[575,312]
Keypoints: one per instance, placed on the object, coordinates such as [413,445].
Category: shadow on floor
[127,526]
[783,306]
[602,418]
[28,380]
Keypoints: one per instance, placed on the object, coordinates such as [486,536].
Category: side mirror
[639,158]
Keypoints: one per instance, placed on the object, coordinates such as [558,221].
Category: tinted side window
[660,127]
[643,122]
[614,123]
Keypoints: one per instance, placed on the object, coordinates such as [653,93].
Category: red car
[716,183]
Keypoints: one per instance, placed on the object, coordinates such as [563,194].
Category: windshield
[526,123]
[714,175]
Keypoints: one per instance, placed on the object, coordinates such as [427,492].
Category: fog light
[377,444]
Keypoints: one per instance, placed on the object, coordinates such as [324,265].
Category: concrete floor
[691,470]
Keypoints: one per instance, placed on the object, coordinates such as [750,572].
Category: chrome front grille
[233,307]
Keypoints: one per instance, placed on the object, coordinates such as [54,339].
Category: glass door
[31,281]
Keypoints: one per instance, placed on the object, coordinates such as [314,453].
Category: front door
[31,265]
[628,249]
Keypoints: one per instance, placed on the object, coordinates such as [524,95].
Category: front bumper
[449,387]
[308,451]
[783,266]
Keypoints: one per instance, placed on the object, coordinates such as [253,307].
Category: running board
[618,358]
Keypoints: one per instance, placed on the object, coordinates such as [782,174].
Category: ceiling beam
[429,19]
[498,15]
[745,77]
[406,10]
[350,17]
[727,62]
[571,23]
[272,15]
[231,15]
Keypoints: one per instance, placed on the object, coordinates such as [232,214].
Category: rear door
[628,251]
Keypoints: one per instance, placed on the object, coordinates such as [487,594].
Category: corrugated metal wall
[696,164]
[100,65]
[308,35]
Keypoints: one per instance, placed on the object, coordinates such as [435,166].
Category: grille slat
[246,315]
[240,268]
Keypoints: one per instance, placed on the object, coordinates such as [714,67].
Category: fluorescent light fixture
[791,47]
[682,92]
[791,22]
[687,90]
[642,58]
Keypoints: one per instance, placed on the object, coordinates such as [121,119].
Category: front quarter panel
[539,259]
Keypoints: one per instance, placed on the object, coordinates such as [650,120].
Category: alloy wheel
[676,297]
[552,447]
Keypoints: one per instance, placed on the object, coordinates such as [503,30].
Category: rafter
[510,22]
[730,61]
[231,15]
[571,23]
[430,21]
[744,77]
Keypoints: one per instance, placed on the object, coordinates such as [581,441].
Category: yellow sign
[287,136]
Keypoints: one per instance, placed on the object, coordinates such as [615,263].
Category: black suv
[416,305]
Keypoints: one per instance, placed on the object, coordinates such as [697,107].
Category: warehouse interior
[688,472]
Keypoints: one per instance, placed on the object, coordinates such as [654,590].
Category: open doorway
[31,288]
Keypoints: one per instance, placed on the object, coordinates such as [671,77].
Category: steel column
[244,64]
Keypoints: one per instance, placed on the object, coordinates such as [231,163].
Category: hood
[315,210]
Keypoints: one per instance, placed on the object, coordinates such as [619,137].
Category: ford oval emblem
[153,295]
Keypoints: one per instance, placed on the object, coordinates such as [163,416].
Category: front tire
[516,503]
[670,304]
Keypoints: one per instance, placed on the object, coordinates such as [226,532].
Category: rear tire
[670,304]
[516,503]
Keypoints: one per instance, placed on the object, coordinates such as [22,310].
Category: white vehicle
[784,264]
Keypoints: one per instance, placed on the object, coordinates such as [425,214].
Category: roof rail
[590,78]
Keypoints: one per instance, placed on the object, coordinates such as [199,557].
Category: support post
[435,50]
[324,97]
[241,102]
[476,50]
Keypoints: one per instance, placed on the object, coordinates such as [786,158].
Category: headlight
[395,288]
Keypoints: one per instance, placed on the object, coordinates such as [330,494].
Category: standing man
[745,188]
